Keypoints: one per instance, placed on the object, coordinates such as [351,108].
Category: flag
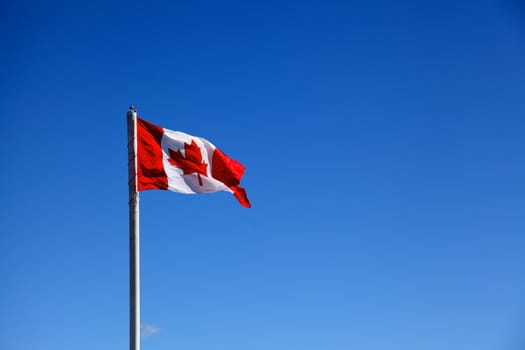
[175,161]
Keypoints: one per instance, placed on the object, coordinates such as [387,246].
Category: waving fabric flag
[175,161]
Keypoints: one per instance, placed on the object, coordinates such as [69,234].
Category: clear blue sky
[385,154]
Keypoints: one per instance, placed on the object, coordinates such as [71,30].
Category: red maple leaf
[190,164]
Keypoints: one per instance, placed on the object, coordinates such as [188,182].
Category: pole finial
[132,108]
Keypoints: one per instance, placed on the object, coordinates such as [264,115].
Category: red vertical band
[150,170]
[229,172]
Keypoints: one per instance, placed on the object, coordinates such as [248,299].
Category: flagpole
[134,234]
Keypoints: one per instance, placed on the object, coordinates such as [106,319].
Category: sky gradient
[384,152]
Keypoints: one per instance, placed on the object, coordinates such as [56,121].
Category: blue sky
[384,149]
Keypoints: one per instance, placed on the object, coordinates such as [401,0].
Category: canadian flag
[175,161]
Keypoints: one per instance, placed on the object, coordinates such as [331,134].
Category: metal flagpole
[134,242]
